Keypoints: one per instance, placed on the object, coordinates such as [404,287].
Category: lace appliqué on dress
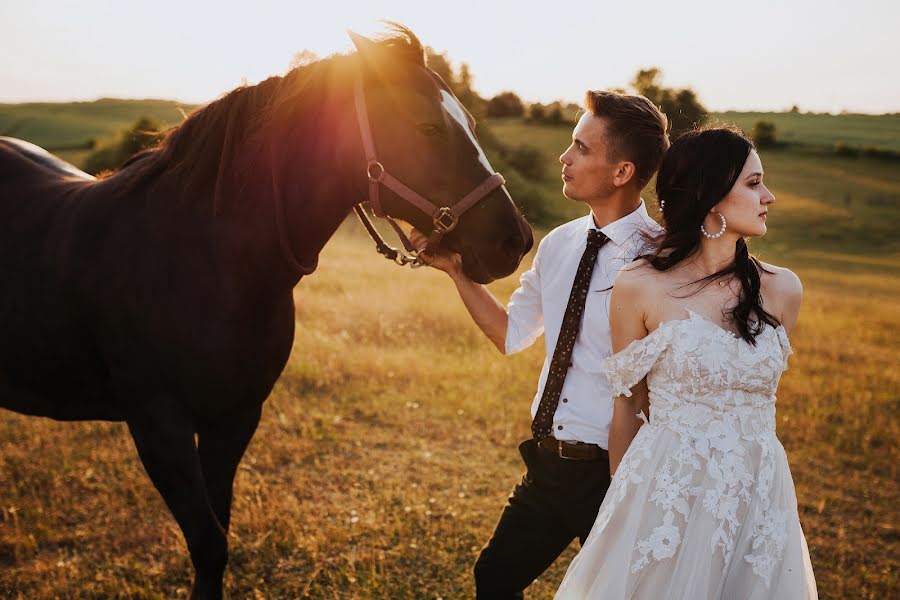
[624,369]
[721,415]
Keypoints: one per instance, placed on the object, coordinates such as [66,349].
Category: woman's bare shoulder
[781,280]
[783,291]
[637,278]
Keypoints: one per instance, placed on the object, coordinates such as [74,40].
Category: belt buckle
[559,451]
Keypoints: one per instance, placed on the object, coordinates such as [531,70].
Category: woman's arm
[627,323]
[791,291]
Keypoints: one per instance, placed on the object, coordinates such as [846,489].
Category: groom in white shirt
[616,148]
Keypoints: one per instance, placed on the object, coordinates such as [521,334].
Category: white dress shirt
[585,407]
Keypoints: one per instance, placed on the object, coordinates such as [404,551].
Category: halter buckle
[375,171]
[444,221]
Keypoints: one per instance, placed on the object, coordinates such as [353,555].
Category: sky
[823,56]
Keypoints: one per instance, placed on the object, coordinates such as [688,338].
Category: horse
[161,295]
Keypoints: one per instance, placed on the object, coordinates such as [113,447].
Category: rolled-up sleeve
[526,315]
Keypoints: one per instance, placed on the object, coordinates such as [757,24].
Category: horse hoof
[208,593]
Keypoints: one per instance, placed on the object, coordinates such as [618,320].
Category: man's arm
[488,313]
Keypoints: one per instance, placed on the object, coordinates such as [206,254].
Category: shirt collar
[623,229]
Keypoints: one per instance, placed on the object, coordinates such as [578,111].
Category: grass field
[862,131]
[389,445]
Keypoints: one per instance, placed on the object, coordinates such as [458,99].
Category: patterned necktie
[542,425]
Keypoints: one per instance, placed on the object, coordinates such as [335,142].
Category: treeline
[684,111]
[681,105]
[508,104]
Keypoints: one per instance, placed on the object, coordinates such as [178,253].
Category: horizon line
[84,100]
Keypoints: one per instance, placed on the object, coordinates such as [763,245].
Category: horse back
[20,159]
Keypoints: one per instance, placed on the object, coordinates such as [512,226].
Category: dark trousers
[556,501]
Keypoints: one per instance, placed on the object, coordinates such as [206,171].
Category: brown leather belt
[572,450]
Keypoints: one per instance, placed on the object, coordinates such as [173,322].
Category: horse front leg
[164,438]
[221,447]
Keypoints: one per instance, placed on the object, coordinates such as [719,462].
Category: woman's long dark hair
[699,170]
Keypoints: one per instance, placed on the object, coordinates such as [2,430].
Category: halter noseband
[444,219]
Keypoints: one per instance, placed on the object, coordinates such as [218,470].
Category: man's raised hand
[448,262]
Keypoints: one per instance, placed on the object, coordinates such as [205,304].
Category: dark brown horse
[161,295]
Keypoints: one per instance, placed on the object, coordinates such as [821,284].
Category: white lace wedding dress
[702,505]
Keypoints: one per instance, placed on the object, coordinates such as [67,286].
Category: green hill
[859,131]
[822,201]
[68,124]
[71,124]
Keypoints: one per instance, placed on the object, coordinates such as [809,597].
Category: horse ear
[363,44]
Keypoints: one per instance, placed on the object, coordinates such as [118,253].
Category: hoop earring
[717,235]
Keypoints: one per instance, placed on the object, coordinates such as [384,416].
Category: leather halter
[444,218]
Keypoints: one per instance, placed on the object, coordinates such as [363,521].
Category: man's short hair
[636,130]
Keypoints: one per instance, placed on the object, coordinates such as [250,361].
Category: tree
[681,106]
[555,114]
[303,58]
[683,109]
[763,134]
[505,104]
[143,134]
[537,112]
[646,83]
[460,83]
[462,87]
[439,64]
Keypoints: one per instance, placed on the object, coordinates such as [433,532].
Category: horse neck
[310,185]
[274,195]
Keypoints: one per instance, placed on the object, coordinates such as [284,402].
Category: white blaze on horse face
[456,112]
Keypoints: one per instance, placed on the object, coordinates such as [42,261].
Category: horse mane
[216,144]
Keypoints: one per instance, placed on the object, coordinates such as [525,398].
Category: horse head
[424,138]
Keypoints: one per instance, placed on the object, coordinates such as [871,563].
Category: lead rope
[413,259]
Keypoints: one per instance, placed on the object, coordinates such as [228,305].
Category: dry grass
[389,445]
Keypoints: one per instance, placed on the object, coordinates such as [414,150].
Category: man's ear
[624,173]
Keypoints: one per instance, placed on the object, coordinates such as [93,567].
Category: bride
[702,504]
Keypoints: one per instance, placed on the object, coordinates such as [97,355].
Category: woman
[702,504]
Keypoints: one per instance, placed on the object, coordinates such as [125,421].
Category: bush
[528,195]
[842,149]
[528,161]
[537,113]
[763,134]
[555,114]
[143,134]
[506,104]
[550,114]
[881,153]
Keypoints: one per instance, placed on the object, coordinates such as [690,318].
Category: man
[617,146]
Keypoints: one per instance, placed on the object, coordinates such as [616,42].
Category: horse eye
[431,129]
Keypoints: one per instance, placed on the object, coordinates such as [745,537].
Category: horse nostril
[529,239]
[513,246]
